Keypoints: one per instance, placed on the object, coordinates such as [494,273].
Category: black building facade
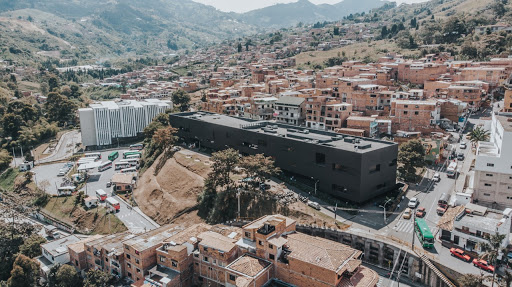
[347,167]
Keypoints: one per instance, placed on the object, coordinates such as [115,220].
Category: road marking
[404,226]
[381,281]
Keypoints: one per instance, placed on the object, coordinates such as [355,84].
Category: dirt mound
[173,190]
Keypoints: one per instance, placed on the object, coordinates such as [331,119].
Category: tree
[13,78]
[53,84]
[24,272]
[31,247]
[336,31]
[507,277]
[68,277]
[258,167]
[223,168]
[411,156]
[75,91]
[165,138]
[239,48]
[5,159]
[499,8]
[161,121]
[59,109]
[493,249]
[478,134]
[12,124]
[182,99]
[97,278]
[204,99]
[472,280]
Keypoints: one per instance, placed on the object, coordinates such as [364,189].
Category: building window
[174,263]
[488,174]
[490,164]
[137,261]
[271,246]
[129,265]
[205,259]
[509,197]
[232,277]
[214,261]
[339,167]
[128,256]
[320,158]
[487,184]
[205,249]
[416,113]
[248,234]
[487,194]
[375,168]
[129,274]
[405,112]
[138,270]
[260,242]
[162,258]
[271,256]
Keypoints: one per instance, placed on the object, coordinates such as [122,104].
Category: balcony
[266,229]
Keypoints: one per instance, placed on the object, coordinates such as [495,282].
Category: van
[314,205]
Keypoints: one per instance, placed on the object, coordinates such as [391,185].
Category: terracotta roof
[320,252]
[275,219]
[242,281]
[364,277]
[217,241]
[249,265]
[279,241]
[446,221]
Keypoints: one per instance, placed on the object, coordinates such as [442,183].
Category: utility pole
[414,229]
[238,196]
[14,156]
[335,210]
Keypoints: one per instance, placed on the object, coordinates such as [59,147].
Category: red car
[420,212]
[482,264]
[460,254]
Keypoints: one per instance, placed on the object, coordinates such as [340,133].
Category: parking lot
[47,179]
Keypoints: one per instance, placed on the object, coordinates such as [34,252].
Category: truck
[451,170]
[442,204]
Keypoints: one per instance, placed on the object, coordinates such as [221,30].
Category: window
[490,164]
[487,194]
[339,167]
[205,249]
[129,265]
[416,113]
[138,270]
[405,112]
[487,184]
[128,256]
[509,197]
[248,234]
[406,106]
[129,274]
[137,261]
[232,277]
[260,242]
[320,158]
[126,247]
[488,174]
[271,256]
[162,258]
[375,168]
[271,246]
[214,261]
[174,263]
[205,259]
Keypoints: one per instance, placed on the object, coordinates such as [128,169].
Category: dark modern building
[348,167]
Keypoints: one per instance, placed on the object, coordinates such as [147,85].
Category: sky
[248,5]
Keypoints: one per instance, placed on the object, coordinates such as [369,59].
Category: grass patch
[7,179]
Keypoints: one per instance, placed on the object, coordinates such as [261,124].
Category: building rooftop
[79,246]
[216,241]
[113,242]
[505,121]
[153,237]
[321,252]
[60,246]
[248,265]
[290,101]
[271,219]
[324,138]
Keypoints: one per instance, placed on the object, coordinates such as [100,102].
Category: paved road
[65,147]
[134,220]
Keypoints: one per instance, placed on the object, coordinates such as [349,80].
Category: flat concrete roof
[323,138]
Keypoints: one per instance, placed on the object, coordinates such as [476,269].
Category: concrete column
[367,245]
[412,267]
[381,254]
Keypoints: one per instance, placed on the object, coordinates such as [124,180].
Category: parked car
[460,156]
[61,173]
[459,253]
[420,212]
[264,186]
[109,184]
[413,202]
[314,205]
[484,265]
[462,145]
[407,213]
[436,177]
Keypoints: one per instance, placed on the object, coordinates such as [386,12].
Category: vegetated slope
[284,15]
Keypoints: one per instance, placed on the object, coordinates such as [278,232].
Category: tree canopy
[411,156]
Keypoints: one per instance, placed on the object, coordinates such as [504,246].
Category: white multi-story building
[290,110]
[493,167]
[104,121]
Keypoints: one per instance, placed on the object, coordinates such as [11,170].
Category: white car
[462,145]
[437,177]
[413,202]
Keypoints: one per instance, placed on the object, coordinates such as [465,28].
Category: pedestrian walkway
[380,283]
[405,226]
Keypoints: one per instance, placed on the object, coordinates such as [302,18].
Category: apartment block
[104,122]
[290,110]
[326,113]
[418,73]
[77,254]
[507,106]
[107,254]
[55,252]
[414,116]
[347,167]
[453,110]
[493,165]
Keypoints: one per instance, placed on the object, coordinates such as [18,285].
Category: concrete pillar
[367,245]
[412,267]
[381,254]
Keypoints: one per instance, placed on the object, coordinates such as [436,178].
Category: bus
[129,153]
[95,155]
[128,170]
[136,146]
[423,232]
[451,170]
[105,165]
[101,194]
[133,156]
[121,165]
[132,162]
[113,155]
[112,204]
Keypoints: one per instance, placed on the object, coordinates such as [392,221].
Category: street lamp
[316,183]
[384,207]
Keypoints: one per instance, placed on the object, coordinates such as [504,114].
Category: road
[65,147]
[134,219]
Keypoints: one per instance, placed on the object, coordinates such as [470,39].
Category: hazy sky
[248,5]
